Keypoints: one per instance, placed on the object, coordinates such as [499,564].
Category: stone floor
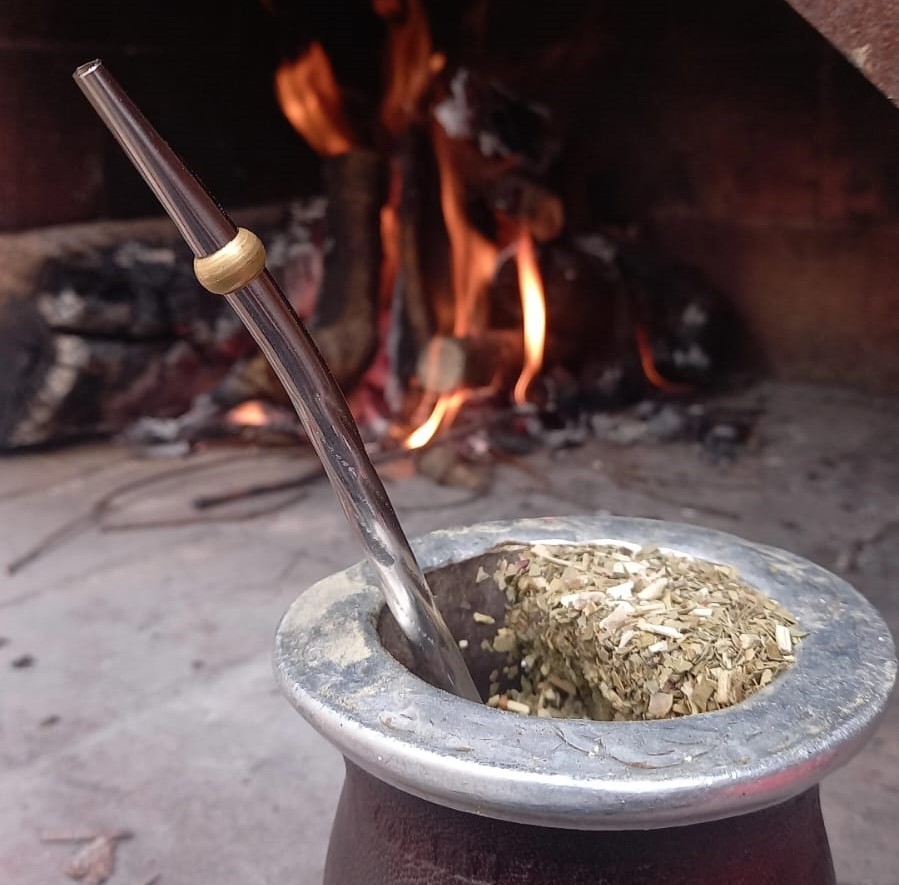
[135,684]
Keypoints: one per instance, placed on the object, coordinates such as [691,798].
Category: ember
[248,414]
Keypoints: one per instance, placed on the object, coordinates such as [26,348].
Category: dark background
[201,70]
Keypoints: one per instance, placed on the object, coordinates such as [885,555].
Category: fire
[647,363]
[473,263]
[533,309]
[445,410]
[473,256]
[248,414]
[412,63]
[310,99]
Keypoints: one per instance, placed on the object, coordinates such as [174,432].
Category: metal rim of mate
[584,774]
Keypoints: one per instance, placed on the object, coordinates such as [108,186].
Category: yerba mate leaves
[622,633]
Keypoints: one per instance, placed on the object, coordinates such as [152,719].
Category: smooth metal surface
[583,774]
[313,391]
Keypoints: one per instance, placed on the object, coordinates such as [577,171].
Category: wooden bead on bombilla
[233,266]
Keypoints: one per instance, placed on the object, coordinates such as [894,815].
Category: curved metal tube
[315,394]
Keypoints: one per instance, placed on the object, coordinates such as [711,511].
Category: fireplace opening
[568,211]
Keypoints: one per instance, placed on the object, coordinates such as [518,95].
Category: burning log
[585,305]
[502,125]
[534,206]
[493,358]
[98,320]
[95,322]
[345,322]
[422,295]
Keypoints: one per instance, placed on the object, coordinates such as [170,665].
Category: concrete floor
[149,704]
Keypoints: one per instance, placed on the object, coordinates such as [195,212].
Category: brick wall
[201,71]
[742,141]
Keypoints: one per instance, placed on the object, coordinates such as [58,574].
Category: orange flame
[473,255]
[310,99]
[648,364]
[248,414]
[390,234]
[445,410]
[533,309]
[412,64]
[473,262]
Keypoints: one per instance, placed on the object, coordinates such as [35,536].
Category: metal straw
[313,391]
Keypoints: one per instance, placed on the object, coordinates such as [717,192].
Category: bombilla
[231,262]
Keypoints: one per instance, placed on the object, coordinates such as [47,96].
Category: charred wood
[102,324]
[96,337]
[534,206]
[423,301]
[500,124]
[689,325]
[345,322]
[585,305]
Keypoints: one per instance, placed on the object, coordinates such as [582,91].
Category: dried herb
[616,632]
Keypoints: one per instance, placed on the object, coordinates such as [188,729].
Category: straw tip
[84,70]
